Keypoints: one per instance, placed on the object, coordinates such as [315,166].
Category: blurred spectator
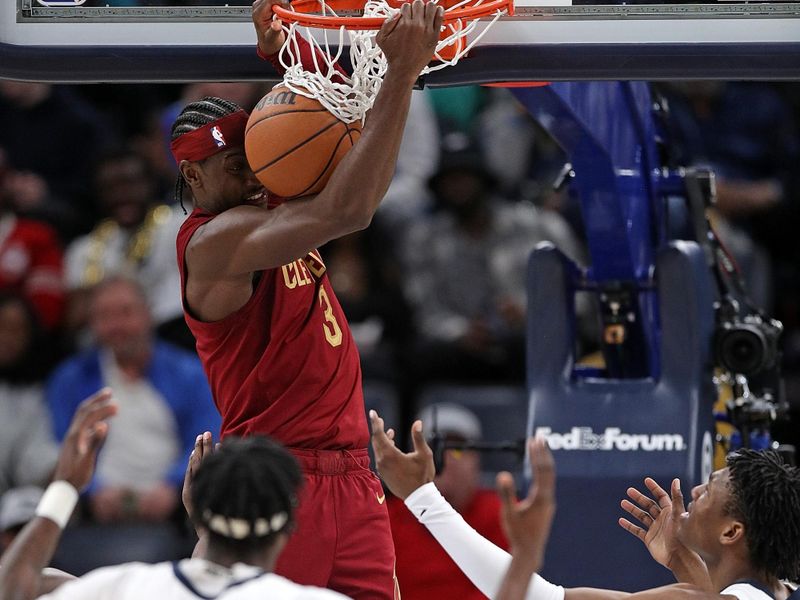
[136,239]
[364,272]
[466,271]
[27,448]
[408,196]
[52,138]
[164,401]
[754,152]
[30,259]
[424,570]
[746,134]
[17,507]
[149,141]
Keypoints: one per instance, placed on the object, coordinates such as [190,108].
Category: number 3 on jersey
[332,331]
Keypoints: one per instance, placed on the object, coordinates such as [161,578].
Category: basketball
[293,143]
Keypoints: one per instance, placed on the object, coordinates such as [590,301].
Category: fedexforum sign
[613,438]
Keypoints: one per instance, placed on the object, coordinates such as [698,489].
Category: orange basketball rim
[310,13]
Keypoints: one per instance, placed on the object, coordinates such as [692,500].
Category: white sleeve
[482,562]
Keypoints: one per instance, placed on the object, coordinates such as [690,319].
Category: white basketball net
[349,98]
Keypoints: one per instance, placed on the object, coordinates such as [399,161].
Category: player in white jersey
[242,498]
[739,538]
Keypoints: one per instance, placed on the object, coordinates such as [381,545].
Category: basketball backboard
[204,40]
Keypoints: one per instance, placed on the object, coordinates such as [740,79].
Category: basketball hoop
[349,98]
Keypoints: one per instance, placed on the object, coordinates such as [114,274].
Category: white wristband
[58,502]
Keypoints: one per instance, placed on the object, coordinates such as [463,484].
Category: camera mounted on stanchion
[746,345]
[746,341]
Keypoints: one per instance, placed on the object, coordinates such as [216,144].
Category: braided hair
[193,116]
[245,493]
[765,495]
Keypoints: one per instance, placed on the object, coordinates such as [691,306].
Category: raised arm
[245,239]
[203,447]
[409,476]
[271,37]
[31,551]
[659,518]
[527,523]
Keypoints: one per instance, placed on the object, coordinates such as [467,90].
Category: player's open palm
[527,522]
[409,37]
[85,436]
[659,518]
[402,472]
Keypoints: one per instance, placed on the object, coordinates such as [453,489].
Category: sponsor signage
[612,438]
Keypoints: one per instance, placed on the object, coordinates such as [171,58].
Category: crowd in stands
[434,290]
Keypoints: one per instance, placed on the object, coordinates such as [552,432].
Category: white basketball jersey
[745,591]
[186,580]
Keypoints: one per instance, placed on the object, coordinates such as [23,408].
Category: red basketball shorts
[343,540]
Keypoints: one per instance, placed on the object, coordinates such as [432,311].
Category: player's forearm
[360,181]
[481,561]
[31,551]
[518,577]
[593,594]
[302,50]
[678,591]
[688,567]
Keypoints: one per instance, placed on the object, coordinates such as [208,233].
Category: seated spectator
[31,259]
[27,447]
[744,132]
[466,271]
[52,138]
[163,397]
[136,239]
[459,482]
[364,272]
[408,197]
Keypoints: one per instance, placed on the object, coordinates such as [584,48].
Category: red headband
[216,136]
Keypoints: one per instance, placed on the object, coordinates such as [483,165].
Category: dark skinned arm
[245,239]
[21,570]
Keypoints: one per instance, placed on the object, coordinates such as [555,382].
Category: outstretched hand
[527,522]
[660,517]
[409,37]
[268,27]
[85,436]
[402,472]
[203,447]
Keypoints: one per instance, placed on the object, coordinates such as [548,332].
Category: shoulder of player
[284,588]
[230,222]
[677,591]
[106,579]
[214,238]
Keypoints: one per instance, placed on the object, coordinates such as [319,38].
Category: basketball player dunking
[272,337]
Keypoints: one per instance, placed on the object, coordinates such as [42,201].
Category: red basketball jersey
[285,364]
